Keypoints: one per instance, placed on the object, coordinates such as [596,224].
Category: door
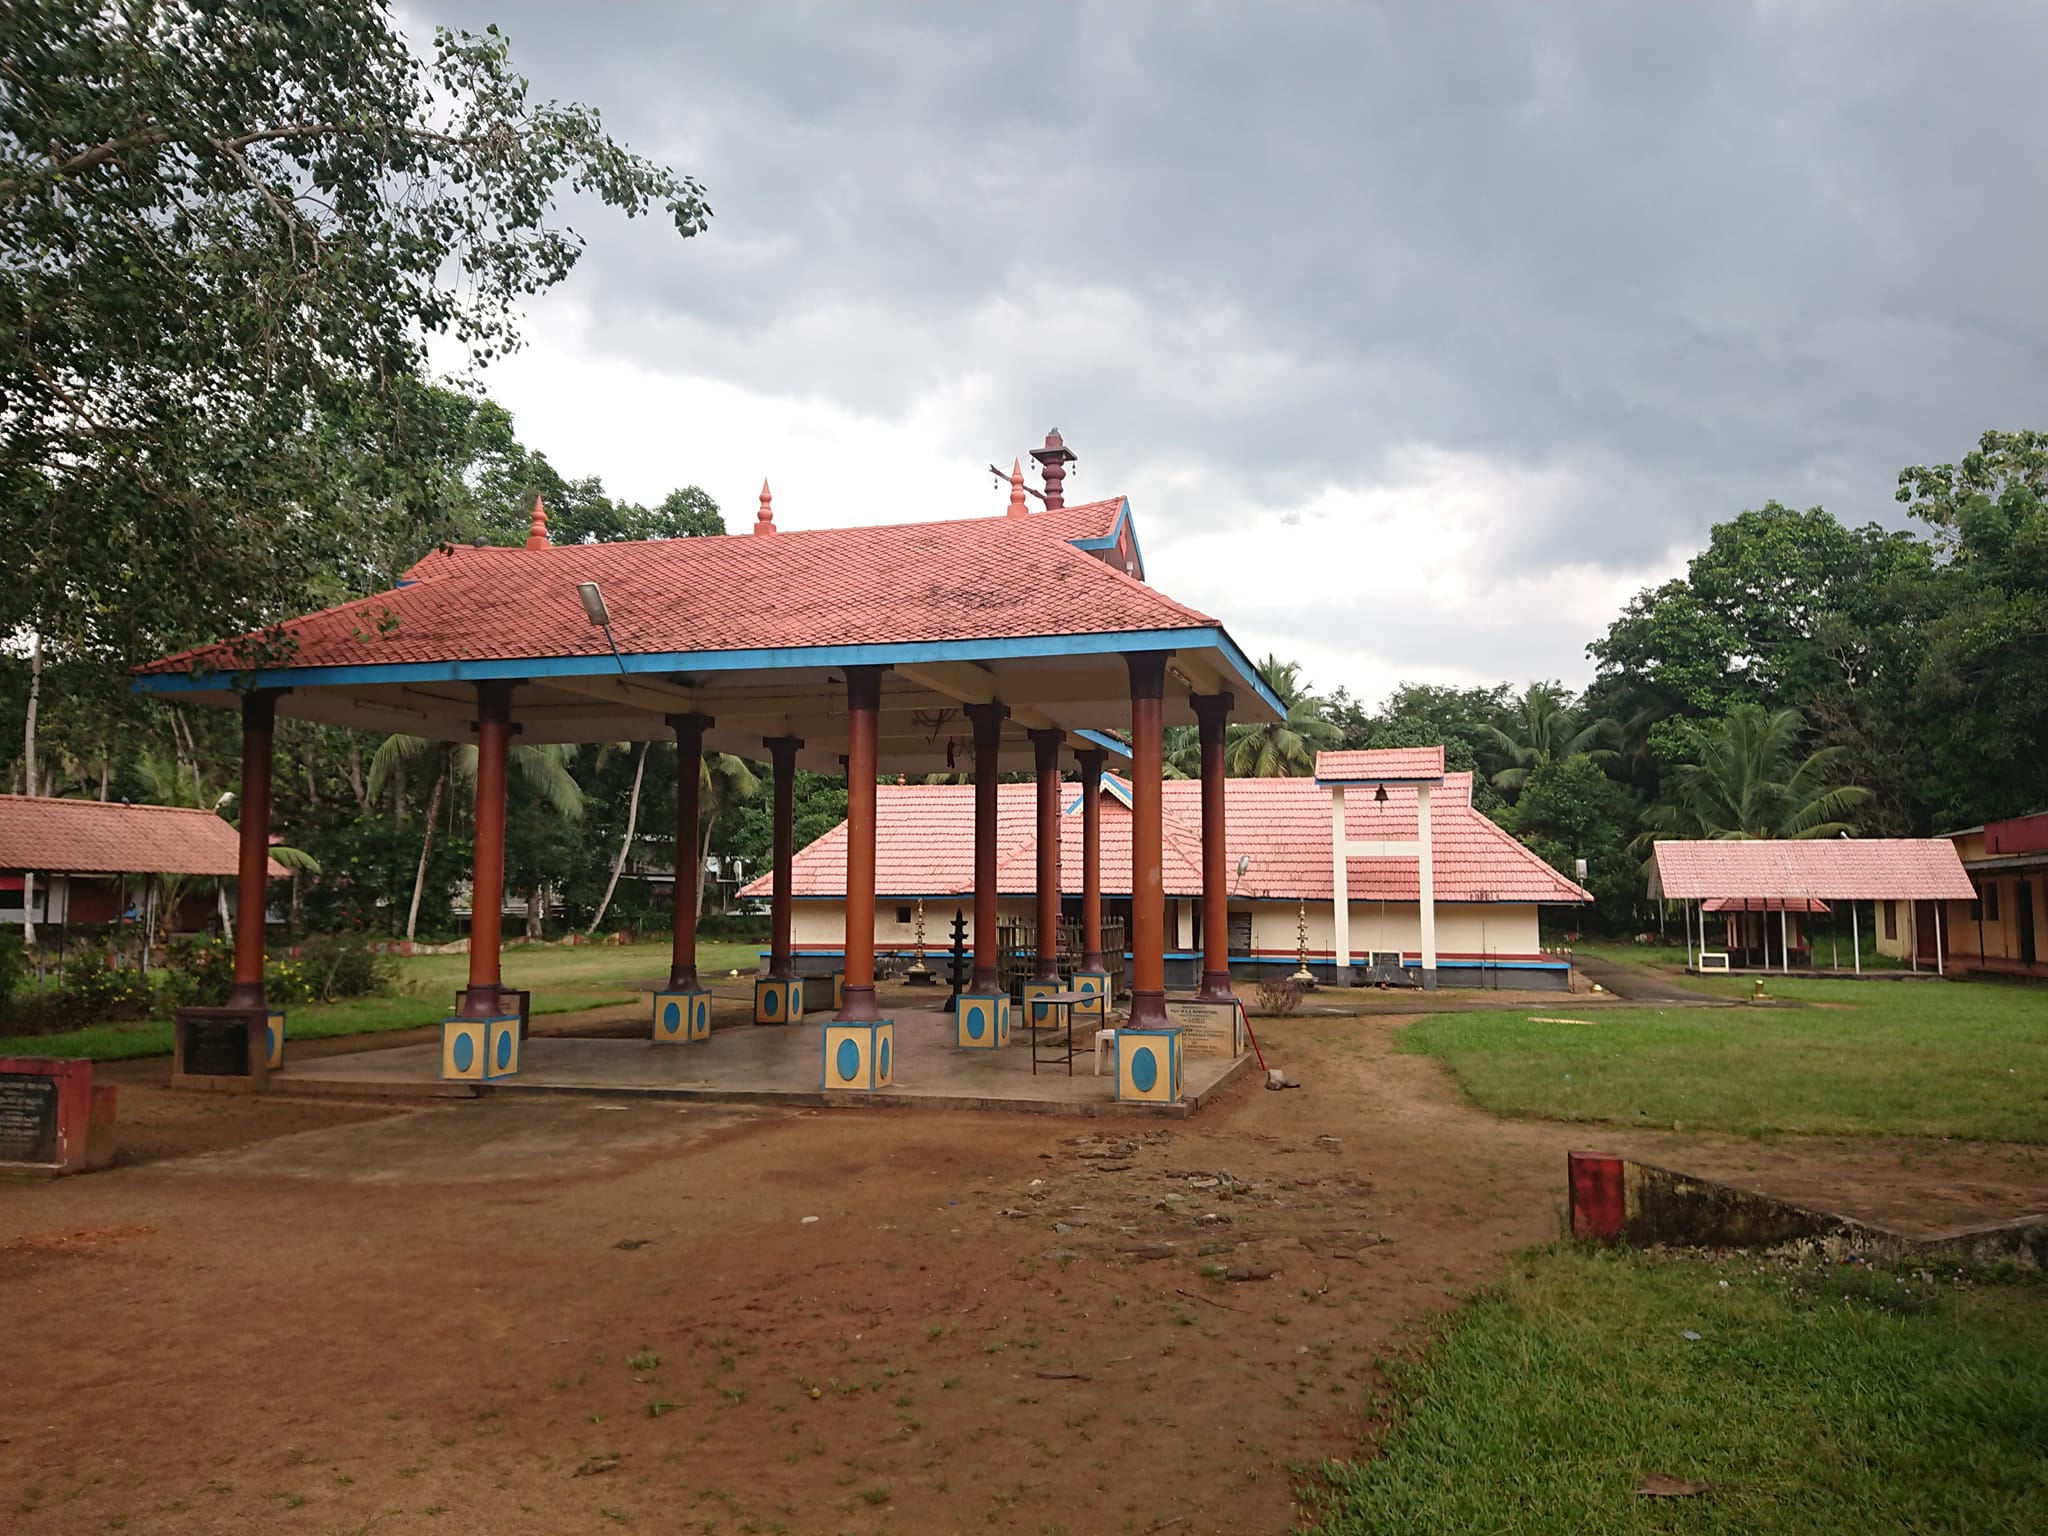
[1923,931]
[2023,916]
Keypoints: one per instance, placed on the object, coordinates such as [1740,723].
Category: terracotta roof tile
[986,578]
[1379,764]
[1842,869]
[92,837]
[925,845]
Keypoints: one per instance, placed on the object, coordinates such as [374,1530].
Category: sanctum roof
[1278,828]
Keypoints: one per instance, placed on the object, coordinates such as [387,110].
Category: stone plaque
[28,1118]
[1206,1029]
[216,1046]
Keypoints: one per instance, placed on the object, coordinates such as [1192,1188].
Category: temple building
[1487,887]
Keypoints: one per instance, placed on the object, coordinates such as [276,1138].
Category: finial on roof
[764,520]
[537,532]
[1053,460]
[1017,506]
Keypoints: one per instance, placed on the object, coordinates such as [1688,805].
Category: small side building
[2003,928]
[70,864]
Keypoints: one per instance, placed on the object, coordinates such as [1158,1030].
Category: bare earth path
[422,1321]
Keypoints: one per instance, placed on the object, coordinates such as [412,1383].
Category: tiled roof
[925,845]
[1083,520]
[985,578]
[1842,869]
[1380,765]
[92,837]
[1759,904]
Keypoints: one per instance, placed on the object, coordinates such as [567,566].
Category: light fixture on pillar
[595,610]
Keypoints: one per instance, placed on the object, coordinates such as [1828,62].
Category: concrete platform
[765,1064]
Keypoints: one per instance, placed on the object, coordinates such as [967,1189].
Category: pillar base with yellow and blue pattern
[816,992]
[1094,1006]
[981,1021]
[479,1050]
[857,1057]
[682,1017]
[1147,1066]
[273,1038]
[1035,1012]
[778,999]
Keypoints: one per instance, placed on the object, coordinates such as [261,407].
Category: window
[1891,919]
[1990,894]
[903,916]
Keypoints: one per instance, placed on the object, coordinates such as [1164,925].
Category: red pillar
[782,751]
[252,867]
[1212,714]
[863,730]
[487,895]
[1148,875]
[682,963]
[988,738]
[1045,747]
[1091,860]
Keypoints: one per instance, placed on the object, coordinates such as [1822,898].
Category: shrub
[336,965]
[103,994]
[1279,995]
[13,962]
[201,972]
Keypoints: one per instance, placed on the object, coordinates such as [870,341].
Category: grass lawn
[1966,1059]
[1815,1398]
[562,981]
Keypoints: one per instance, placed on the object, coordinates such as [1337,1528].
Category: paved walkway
[754,1064]
[1639,984]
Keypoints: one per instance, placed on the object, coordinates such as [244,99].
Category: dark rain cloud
[1691,257]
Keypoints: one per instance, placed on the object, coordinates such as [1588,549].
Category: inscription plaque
[1206,1029]
[216,1047]
[28,1118]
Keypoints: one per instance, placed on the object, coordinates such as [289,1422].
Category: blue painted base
[859,1057]
[778,999]
[273,1038]
[1096,1010]
[1148,1065]
[1036,1013]
[479,1050]
[982,1021]
[682,1018]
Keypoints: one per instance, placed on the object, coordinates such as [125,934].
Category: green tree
[1982,687]
[1546,729]
[220,227]
[1288,748]
[544,769]
[1748,776]
[1567,810]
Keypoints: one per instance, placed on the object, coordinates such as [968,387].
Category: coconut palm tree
[1286,749]
[1546,729]
[544,768]
[1749,781]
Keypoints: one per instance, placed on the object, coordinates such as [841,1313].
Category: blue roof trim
[891,654]
[1431,779]
[1123,520]
[1107,742]
[1114,787]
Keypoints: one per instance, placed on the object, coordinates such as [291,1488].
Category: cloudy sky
[1419,336]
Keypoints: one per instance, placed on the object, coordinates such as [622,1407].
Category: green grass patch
[1964,1059]
[1816,1397]
[562,980]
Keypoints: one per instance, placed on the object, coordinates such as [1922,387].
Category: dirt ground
[584,1315]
